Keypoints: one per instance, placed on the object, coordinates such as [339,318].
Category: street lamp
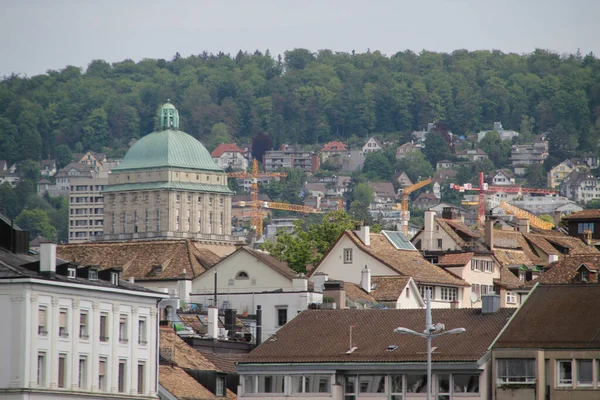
[431,332]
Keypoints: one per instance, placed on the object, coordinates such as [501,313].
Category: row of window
[482,265]
[85,188]
[63,326]
[396,386]
[569,373]
[157,220]
[83,373]
[445,293]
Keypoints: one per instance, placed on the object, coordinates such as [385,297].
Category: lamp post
[431,332]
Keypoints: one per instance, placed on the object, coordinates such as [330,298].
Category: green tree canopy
[37,222]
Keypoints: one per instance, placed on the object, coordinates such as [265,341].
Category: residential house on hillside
[503,177]
[314,189]
[74,332]
[249,277]
[358,355]
[402,179]
[164,265]
[580,187]
[559,172]
[372,145]
[425,201]
[472,155]
[572,269]
[291,157]
[229,155]
[521,156]
[406,148]
[504,135]
[48,167]
[9,174]
[385,196]
[352,160]
[331,149]
[389,254]
[547,351]
[444,164]
[91,158]
[585,225]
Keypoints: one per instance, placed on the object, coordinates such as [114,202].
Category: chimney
[335,290]
[489,232]
[429,220]
[552,258]
[557,217]
[365,281]
[490,303]
[524,225]
[300,283]
[48,259]
[319,280]
[131,279]
[230,320]
[258,325]
[213,322]
[364,235]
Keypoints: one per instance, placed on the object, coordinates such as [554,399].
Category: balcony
[104,338]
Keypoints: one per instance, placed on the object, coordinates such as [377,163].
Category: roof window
[72,273]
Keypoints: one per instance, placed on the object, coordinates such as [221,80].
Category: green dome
[168,148]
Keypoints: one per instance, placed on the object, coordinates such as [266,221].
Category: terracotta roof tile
[409,263]
[355,293]
[225,362]
[457,259]
[508,280]
[181,385]
[334,146]
[178,352]
[547,319]
[567,269]
[574,245]
[178,258]
[225,147]
[373,332]
[389,288]
[277,265]
[584,214]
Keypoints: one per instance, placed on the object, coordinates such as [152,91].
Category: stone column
[94,332]
[17,357]
[114,370]
[74,335]
[133,344]
[33,333]
[151,370]
[53,334]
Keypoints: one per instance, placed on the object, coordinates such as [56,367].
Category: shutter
[42,317]
[63,319]
[140,380]
[61,372]
[102,368]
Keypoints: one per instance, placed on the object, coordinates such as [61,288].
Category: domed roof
[169,147]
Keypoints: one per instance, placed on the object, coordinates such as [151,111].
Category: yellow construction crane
[522,214]
[404,215]
[257,214]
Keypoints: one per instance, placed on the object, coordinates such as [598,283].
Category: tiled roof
[270,261]
[179,258]
[448,229]
[225,361]
[383,188]
[373,332]
[170,185]
[574,245]
[316,187]
[409,263]
[556,317]
[176,351]
[84,169]
[461,228]
[584,214]
[356,293]
[566,270]
[454,260]
[225,147]
[541,242]
[426,198]
[181,385]
[388,288]
[508,280]
[334,146]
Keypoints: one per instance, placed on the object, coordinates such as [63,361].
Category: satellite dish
[474,297]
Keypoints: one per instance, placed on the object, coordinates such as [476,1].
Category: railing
[42,331]
[103,338]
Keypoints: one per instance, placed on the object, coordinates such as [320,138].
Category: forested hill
[302,97]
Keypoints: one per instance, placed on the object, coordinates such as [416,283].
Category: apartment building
[289,157]
[75,332]
[86,205]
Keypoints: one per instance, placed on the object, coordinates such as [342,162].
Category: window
[42,328]
[250,384]
[140,378]
[189,199]
[147,220]
[242,275]
[62,323]
[123,329]
[281,316]
[72,273]
[102,374]
[220,387]
[465,383]
[188,221]
[199,199]
[350,386]
[142,332]
[585,373]
[516,370]
[416,383]
[511,298]
[81,382]
[396,386]
[439,243]
[41,369]
[423,291]
[178,198]
[210,200]
[221,219]
[347,256]
[92,275]
[124,221]
[476,288]
[199,222]
[271,384]
[585,226]
[443,382]
[177,219]
[311,384]
[135,221]
[121,378]
[157,220]
[448,294]
[210,219]
[565,373]
[104,327]
[62,370]
[83,325]
[371,384]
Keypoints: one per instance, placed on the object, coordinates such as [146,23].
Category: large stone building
[167,186]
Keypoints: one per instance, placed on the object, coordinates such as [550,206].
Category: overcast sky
[38,35]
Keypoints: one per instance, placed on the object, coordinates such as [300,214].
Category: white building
[229,155]
[372,146]
[504,135]
[74,332]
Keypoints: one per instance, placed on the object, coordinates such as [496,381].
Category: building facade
[167,186]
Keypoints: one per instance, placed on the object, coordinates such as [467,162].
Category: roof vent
[352,350]
[391,347]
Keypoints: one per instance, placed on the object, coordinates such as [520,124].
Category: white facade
[233,159]
[65,339]
[371,146]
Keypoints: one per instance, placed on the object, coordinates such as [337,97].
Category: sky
[41,35]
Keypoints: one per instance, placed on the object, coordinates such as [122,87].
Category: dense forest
[302,97]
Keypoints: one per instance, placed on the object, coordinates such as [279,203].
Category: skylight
[392,347]
[398,240]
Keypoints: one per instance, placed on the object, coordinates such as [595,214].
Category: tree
[261,143]
[219,133]
[536,177]
[30,170]
[363,195]
[378,166]
[95,130]
[436,148]
[63,156]
[415,165]
[37,222]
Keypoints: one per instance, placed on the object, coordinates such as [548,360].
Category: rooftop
[225,148]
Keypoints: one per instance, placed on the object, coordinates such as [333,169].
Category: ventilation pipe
[365,281]
[258,325]
[213,322]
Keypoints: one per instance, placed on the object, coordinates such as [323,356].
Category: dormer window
[242,275]
[72,273]
[157,269]
[93,275]
[584,275]
[114,278]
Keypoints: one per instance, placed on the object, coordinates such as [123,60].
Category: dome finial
[168,117]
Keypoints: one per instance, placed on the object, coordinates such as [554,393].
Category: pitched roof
[180,259]
[316,187]
[181,385]
[373,332]
[224,361]
[567,269]
[388,288]
[334,146]
[356,293]
[178,352]
[49,163]
[409,263]
[383,188]
[508,280]
[548,319]
[269,260]
[84,169]
[584,214]
[454,260]
[426,198]
[225,147]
